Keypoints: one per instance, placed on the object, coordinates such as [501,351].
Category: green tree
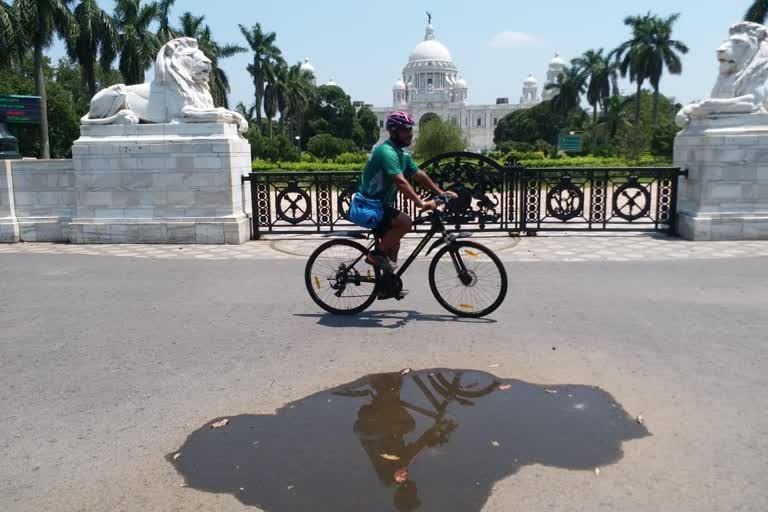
[13,44]
[300,93]
[570,85]
[40,21]
[192,26]
[648,52]
[757,12]
[97,37]
[663,139]
[65,105]
[614,116]
[437,137]
[601,73]
[276,94]
[370,125]
[539,122]
[247,112]
[330,112]
[265,56]
[164,32]
[139,45]
[325,146]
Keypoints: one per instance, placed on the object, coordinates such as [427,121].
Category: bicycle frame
[437,226]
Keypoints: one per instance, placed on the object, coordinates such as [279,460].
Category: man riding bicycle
[388,170]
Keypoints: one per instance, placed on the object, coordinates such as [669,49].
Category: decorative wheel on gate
[479,183]
[293,204]
[565,201]
[631,201]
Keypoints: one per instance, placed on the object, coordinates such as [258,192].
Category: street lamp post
[298,143]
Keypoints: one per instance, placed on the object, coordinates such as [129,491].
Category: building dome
[307,66]
[399,85]
[556,61]
[461,83]
[331,82]
[530,81]
[430,49]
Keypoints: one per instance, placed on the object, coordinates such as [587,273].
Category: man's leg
[390,241]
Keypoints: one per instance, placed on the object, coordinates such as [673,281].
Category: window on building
[495,121]
[381,123]
[479,121]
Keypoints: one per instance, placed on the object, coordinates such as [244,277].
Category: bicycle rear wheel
[339,280]
[468,279]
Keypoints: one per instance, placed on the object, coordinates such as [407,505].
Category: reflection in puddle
[428,440]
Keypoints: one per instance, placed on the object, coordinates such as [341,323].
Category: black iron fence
[491,197]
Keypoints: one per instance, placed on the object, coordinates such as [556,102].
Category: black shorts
[390,212]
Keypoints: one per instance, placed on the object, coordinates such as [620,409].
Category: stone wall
[132,184]
[44,196]
[725,196]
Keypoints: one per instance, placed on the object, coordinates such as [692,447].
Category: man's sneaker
[379,260]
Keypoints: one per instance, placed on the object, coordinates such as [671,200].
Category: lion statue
[741,84]
[179,93]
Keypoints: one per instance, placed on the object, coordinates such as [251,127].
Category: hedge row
[579,161]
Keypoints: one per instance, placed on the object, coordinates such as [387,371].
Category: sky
[494,43]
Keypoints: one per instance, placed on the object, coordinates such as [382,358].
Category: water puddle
[433,440]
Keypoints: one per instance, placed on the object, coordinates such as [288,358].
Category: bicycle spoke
[485,280]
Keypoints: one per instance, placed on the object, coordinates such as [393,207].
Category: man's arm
[426,182]
[403,186]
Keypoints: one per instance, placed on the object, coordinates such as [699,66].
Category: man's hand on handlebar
[439,199]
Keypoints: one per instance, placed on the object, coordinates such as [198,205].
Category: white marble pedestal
[725,196]
[9,226]
[160,183]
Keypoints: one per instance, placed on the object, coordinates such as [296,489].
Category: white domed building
[431,86]
[556,66]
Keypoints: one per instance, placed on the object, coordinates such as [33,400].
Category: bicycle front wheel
[468,279]
[339,280]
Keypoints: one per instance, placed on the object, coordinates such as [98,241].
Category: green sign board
[20,109]
[569,143]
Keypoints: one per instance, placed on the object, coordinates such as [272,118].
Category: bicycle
[465,277]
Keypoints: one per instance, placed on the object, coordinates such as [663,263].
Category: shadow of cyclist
[390,319]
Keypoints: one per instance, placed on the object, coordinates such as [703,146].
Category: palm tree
[165,33]
[276,95]
[247,112]
[10,37]
[602,74]
[300,92]
[96,33]
[570,85]
[192,26]
[626,55]
[662,52]
[40,21]
[757,12]
[139,46]
[647,53]
[613,117]
[265,56]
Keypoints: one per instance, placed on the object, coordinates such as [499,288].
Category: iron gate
[492,197]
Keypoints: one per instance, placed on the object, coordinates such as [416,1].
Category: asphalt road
[108,364]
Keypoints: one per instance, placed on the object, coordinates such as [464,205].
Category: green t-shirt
[386,162]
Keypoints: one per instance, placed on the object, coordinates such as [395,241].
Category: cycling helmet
[399,120]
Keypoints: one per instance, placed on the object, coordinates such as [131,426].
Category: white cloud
[510,39]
